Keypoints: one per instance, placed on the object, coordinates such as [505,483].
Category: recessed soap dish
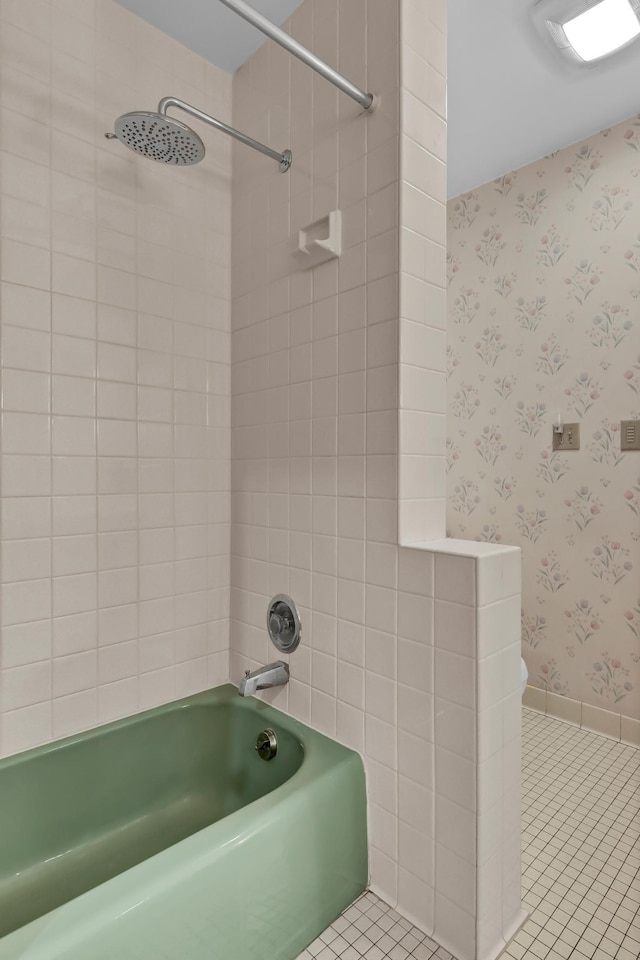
[319,241]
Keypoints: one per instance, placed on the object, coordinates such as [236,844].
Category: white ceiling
[211,29]
[511,98]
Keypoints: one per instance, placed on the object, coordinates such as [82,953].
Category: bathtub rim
[111,899]
[222,694]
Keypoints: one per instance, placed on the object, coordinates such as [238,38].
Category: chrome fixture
[161,138]
[273,675]
[283,623]
[267,745]
[248,13]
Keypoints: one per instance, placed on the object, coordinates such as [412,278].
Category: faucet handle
[278,624]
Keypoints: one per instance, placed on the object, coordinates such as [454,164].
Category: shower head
[159,137]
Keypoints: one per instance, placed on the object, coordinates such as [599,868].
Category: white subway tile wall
[115,338]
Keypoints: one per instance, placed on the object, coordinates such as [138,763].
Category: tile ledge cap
[463,548]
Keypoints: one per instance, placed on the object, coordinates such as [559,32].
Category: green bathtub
[165,836]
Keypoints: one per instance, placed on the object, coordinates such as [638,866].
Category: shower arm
[274,32]
[284,159]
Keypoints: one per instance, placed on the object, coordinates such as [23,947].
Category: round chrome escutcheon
[283,623]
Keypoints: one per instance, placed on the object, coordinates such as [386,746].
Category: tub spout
[273,675]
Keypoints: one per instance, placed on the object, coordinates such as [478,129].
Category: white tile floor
[580,861]
[581,848]
[371,929]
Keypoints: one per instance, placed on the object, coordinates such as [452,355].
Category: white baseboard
[605,722]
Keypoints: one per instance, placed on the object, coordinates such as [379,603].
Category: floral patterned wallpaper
[544,319]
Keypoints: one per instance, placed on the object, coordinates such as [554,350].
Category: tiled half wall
[409,655]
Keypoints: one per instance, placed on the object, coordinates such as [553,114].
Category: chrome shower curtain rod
[275,33]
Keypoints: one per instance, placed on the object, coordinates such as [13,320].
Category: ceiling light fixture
[588,30]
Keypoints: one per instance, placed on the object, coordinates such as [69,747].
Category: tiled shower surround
[115,458]
[115,376]
[411,656]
